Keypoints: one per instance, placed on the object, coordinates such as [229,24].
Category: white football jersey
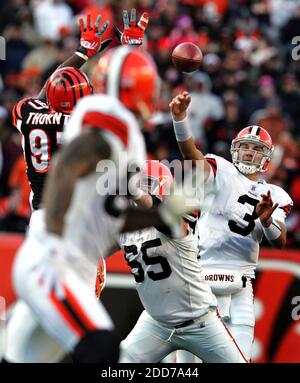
[167,274]
[230,232]
[123,139]
[89,229]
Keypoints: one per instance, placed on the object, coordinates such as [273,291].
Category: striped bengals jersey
[41,131]
[230,232]
[167,275]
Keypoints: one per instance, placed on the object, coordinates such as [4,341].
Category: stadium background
[250,74]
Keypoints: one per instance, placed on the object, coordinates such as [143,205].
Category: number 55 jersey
[167,274]
[230,232]
[42,132]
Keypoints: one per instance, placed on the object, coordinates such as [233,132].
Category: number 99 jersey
[231,231]
[41,135]
[168,276]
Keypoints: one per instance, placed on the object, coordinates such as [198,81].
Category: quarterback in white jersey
[180,309]
[244,209]
[233,231]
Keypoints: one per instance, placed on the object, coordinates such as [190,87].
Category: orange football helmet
[156,179]
[65,87]
[130,74]
[255,135]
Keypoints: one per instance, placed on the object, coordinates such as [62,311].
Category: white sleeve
[211,159]
[285,204]
[221,169]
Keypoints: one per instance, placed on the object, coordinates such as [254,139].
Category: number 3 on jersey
[138,273]
[40,149]
[244,231]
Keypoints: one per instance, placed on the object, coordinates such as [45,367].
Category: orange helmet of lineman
[156,179]
[130,74]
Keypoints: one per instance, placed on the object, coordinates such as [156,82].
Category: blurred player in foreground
[180,309]
[54,269]
[41,121]
[56,264]
[245,209]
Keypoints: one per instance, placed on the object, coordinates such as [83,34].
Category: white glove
[54,247]
[52,265]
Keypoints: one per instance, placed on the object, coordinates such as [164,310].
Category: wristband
[82,55]
[272,232]
[182,130]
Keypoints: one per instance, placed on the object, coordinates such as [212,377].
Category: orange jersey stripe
[16,112]
[66,315]
[213,164]
[82,316]
[107,122]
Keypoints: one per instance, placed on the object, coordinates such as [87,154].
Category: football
[187,57]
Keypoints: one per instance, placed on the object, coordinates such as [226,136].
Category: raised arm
[184,137]
[90,44]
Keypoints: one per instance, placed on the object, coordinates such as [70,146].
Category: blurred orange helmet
[156,179]
[130,74]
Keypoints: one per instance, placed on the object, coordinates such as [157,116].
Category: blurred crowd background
[250,75]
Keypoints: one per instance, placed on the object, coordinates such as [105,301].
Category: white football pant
[207,338]
[60,301]
[240,324]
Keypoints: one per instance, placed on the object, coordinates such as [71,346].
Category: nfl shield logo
[253,190]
